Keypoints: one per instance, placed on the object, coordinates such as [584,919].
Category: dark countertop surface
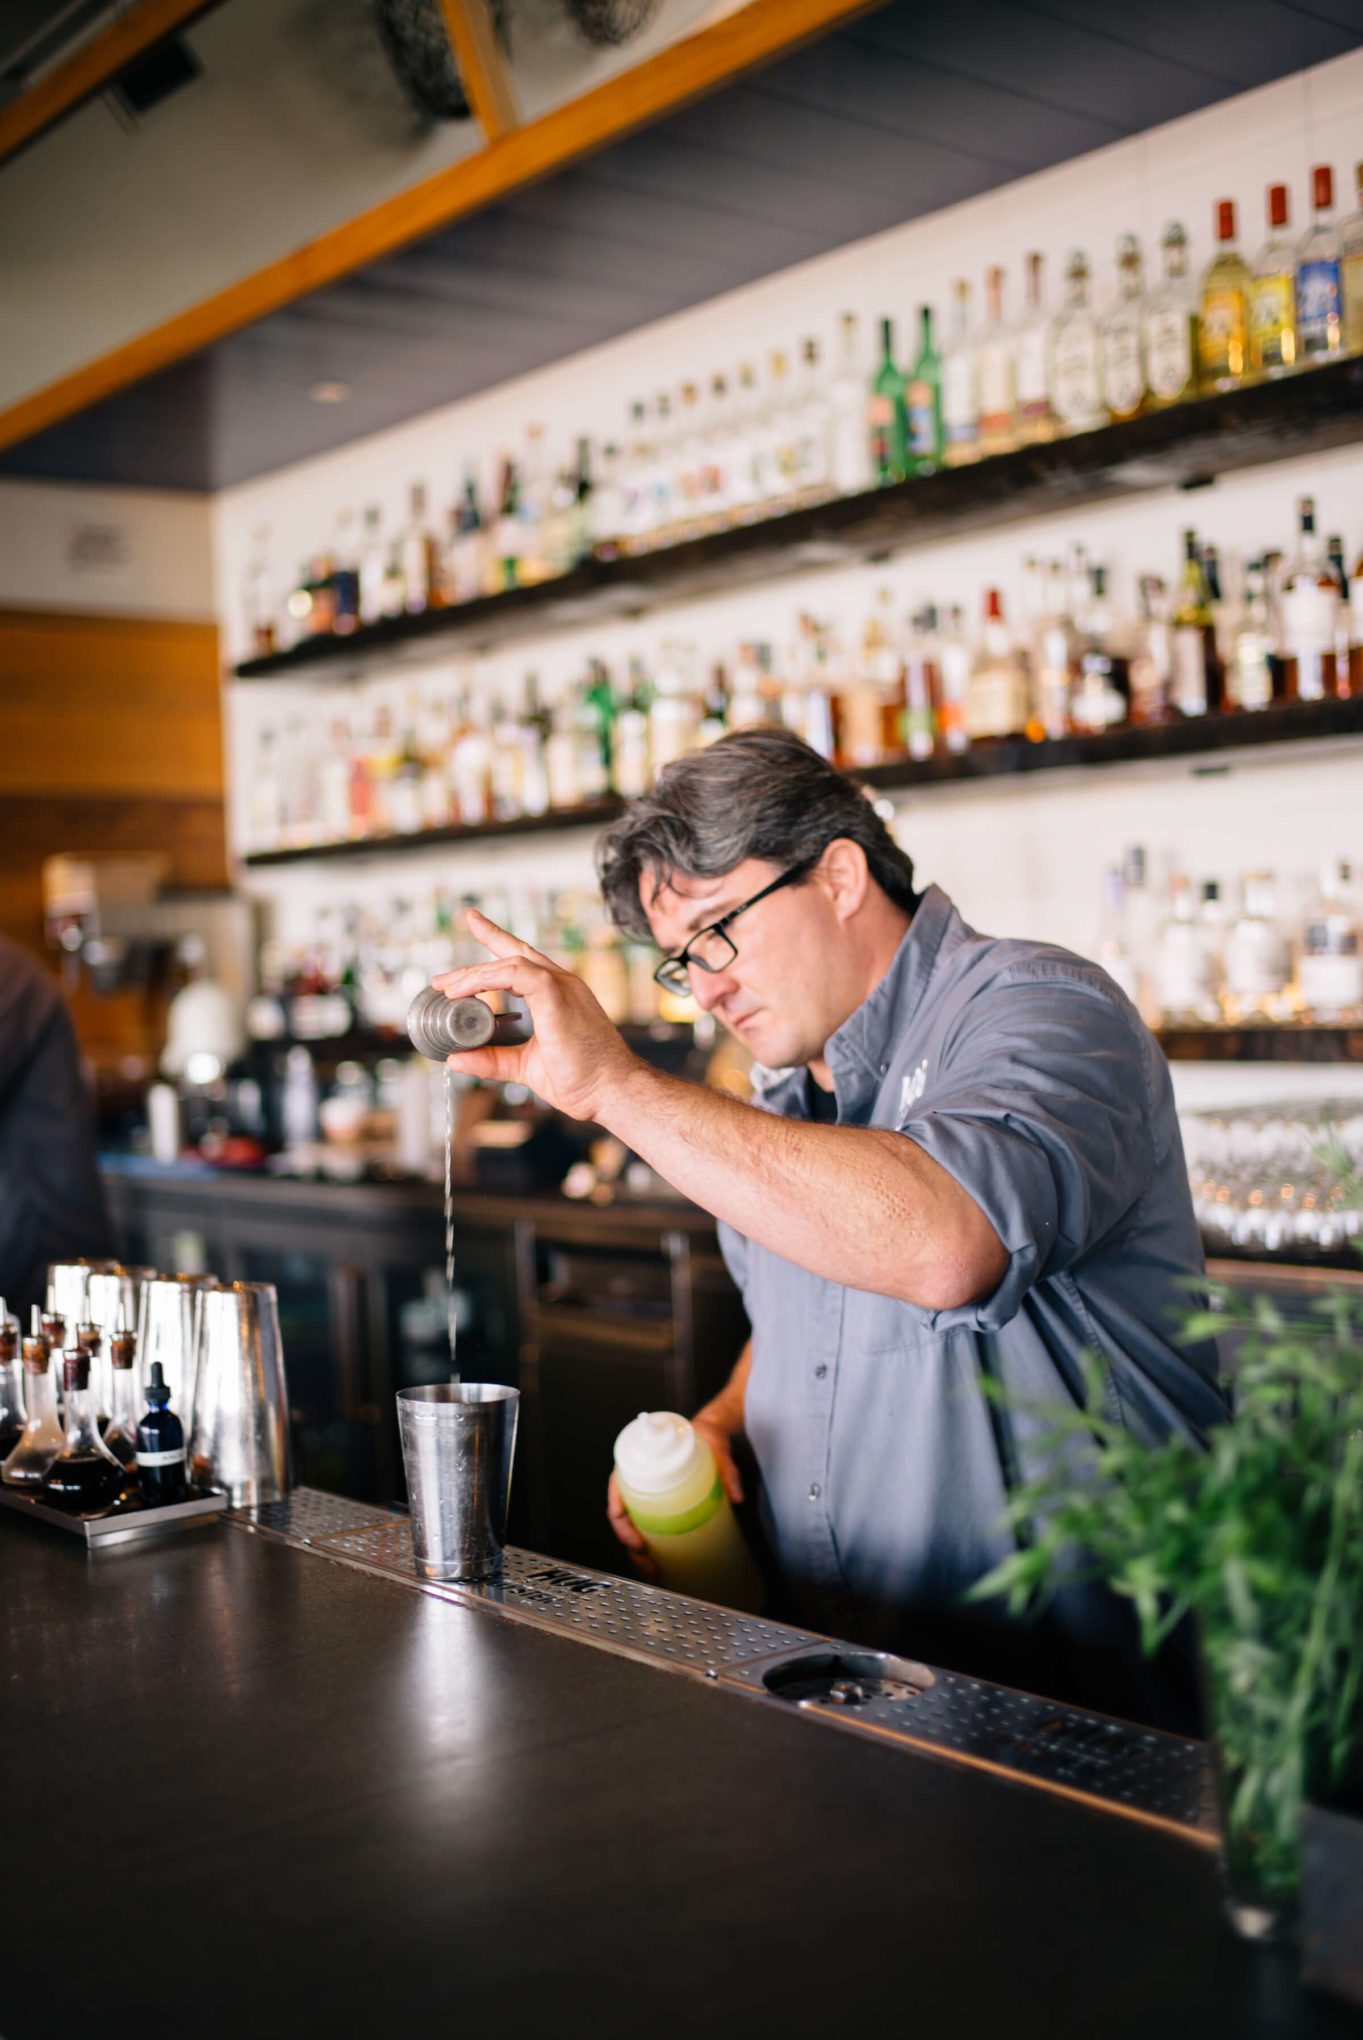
[251,1792]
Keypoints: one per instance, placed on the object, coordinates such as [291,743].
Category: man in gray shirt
[965,1166]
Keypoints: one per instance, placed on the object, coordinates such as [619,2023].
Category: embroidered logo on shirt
[911,1090]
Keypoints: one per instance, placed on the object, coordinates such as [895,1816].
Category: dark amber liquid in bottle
[10,1434]
[82,1484]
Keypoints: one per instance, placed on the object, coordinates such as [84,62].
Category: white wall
[1024,856]
[119,551]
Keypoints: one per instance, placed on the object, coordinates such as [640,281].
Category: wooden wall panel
[120,706]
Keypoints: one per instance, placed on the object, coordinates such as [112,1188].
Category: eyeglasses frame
[684,961]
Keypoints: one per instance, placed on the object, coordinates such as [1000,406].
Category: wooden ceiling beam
[77,78]
[687,70]
[482,66]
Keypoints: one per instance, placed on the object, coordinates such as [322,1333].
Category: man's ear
[845,876]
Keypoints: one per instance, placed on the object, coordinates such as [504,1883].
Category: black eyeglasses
[711,948]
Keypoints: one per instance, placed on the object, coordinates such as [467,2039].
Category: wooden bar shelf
[1184,446]
[1208,738]
[1292,1042]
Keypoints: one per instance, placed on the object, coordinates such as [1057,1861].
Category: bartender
[963,1165]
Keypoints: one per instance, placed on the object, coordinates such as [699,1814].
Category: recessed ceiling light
[329,392]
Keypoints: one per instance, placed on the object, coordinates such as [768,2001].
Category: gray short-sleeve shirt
[1032,1080]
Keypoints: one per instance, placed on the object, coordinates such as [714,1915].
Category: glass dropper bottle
[41,1439]
[120,1437]
[11,1383]
[84,1479]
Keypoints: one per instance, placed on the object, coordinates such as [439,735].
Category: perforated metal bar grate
[1124,1768]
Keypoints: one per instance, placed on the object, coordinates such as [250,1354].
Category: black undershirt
[821,1105]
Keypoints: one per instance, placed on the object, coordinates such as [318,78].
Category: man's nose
[708,987]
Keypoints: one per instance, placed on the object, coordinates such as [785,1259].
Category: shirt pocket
[874,1324]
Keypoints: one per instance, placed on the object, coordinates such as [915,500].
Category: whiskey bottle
[120,1435]
[1101,695]
[997,697]
[11,1383]
[1351,271]
[1272,296]
[1223,328]
[1197,675]
[1253,677]
[1309,599]
[1035,418]
[1319,329]
[420,569]
[1076,388]
[1122,353]
[960,384]
[160,1446]
[997,380]
[1170,326]
[84,1479]
[886,413]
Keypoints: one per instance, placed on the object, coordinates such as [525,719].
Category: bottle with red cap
[1272,297]
[1318,282]
[1223,327]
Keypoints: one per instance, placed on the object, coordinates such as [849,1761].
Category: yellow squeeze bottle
[676,1500]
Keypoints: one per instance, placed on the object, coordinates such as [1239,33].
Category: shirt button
[820,1371]
[814,1491]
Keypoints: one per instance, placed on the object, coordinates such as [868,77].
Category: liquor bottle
[715,707]
[1183,967]
[345,576]
[470,767]
[1122,354]
[674,713]
[394,588]
[11,1383]
[404,782]
[1345,662]
[1142,919]
[1101,696]
[1330,967]
[960,384]
[371,568]
[955,658]
[1076,386]
[84,1478]
[1053,650]
[464,556]
[631,767]
[1356,627]
[1351,271]
[997,379]
[120,1436]
[996,702]
[508,532]
[688,456]
[530,735]
[1112,951]
[1309,599]
[560,755]
[1170,326]
[923,402]
[1258,955]
[543,497]
[886,414]
[773,443]
[1197,679]
[1272,295]
[1035,418]
[261,635]
[420,560]
[1319,331]
[812,423]
[581,517]
[747,708]
[1252,677]
[1223,327]
[160,1446]
[662,507]
[921,685]
[743,501]
[635,478]
[851,471]
[595,719]
[1217,603]
[1152,663]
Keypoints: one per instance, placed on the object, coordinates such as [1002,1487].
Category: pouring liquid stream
[451,1315]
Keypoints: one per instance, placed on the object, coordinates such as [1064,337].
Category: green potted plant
[1261,1540]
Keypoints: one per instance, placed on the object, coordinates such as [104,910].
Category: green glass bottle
[923,403]
[887,415]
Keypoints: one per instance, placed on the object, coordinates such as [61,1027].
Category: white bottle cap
[655,1452]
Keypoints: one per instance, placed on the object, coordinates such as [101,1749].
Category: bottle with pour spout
[11,1383]
[42,1436]
[676,1500]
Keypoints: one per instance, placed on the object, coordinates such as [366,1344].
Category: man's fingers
[500,1065]
[507,974]
[499,940]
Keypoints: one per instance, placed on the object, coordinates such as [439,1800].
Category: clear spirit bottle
[997,381]
[1351,270]
[1035,418]
[1123,356]
[960,384]
[419,561]
[1272,295]
[851,469]
[1330,970]
[1252,680]
[1319,327]
[372,564]
[1076,389]
[1309,600]
[1223,326]
[1170,326]
[1258,955]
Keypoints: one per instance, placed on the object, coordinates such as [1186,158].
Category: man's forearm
[727,1408]
[858,1205]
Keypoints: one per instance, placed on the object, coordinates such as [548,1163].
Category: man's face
[792,982]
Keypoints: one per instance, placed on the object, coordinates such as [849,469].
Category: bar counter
[255,1792]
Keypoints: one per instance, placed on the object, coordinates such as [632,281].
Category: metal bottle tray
[1117,1766]
[101,1532]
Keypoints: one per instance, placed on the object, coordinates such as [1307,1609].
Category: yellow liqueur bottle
[1272,296]
[1223,328]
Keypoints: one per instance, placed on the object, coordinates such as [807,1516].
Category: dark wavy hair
[758,793]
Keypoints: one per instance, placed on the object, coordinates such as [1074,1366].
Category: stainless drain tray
[1160,1779]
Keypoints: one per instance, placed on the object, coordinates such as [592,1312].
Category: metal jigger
[439,1027]
[240,1439]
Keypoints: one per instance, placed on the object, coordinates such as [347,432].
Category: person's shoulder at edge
[28,994]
